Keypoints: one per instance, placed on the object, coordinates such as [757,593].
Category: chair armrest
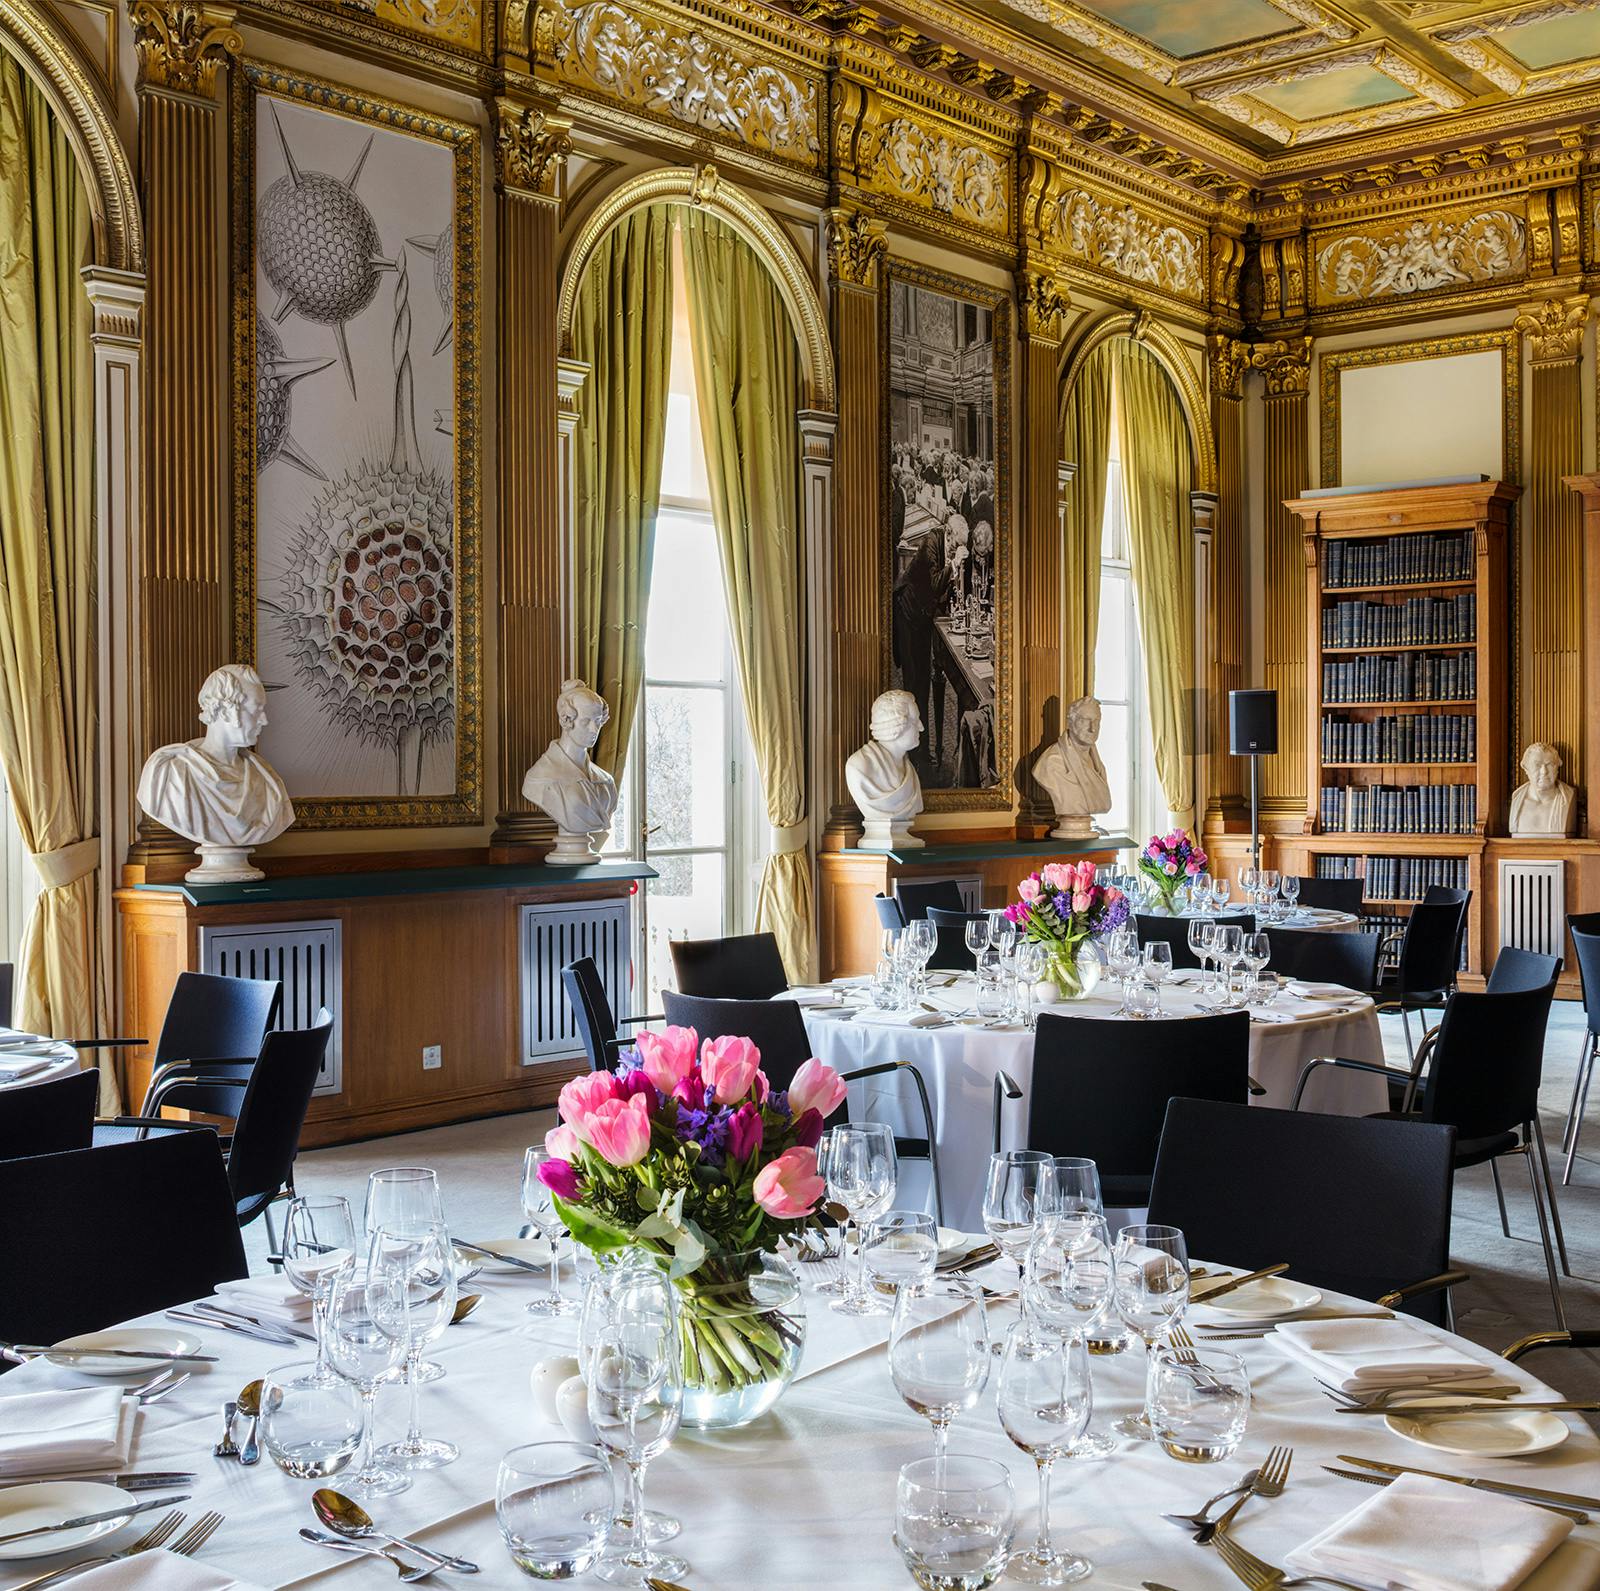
[1337,1060]
[1255,1088]
[1584,1337]
[105,1044]
[874,1071]
[1430,1284]
[1005,1088]
[155,1099]
[145,1123]
[630,1021]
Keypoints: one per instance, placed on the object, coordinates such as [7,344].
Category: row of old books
[1411,737]
[1402,677]
[1418,621]
[1399,560]
[1398,809]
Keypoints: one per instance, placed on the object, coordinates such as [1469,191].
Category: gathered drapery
[747,374]
[1087,443]
[49,711]
[1156,473]
[622,329]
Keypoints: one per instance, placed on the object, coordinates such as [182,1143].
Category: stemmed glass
[977,938]
[1228,948]
[319,1247]
[1200,891]
[1122,957]
[836,1282]
[1151,1292]
[538,1204]
[1255,952]
[1066,1287]
[405,1197]
[1157,965]
[922,939]
[1289,888]
[1202,936]
[1002,932]
[1220,889]
[1269,891]
[1077,1189]
[1045,1402]
[411,1292]
[366,1356]
[1019,1200]
[939,1350]
[862,1174]
[1032,961]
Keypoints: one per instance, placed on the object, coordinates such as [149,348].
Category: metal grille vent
[550,937]
[1533,906]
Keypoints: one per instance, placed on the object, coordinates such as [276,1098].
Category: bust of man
[1543,805]
[1072,774]
[579,794]
[880,778]
[216,790]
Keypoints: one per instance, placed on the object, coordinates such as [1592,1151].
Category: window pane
[1119,766]
[1111,642]
[685,902]
[684,636]
[687,767]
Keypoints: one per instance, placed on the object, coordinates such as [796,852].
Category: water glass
[311,1429]
[1150,1291]
[554,1502]
[899,1250]
[992,1002]
[411,1289]
[1199,1403]
[319,1246]
[366,1356]
[1262,989]
[1157,966]
[861,1175]
[1144,999]
[538,1204]
[954,1519]
[939,1350]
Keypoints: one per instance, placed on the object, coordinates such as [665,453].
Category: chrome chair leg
[1581,1106]
[1405,1023]
[1500,1197]
[1577,1090]
[1550,1194]
[1544,1237]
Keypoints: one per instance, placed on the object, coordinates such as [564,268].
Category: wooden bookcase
[1441,548]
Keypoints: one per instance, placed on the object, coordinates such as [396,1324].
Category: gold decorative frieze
[856,242]
[930,167]
[458,22]
[181,45]
[681,73]
[1422,255]
[531,146]
[1554,328]
[1131,244]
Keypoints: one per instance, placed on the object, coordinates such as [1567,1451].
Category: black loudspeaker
[1252,723]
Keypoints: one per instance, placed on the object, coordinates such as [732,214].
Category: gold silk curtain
[49,714]
[1086,443]
[1155,482]
[622,329]
[746,365]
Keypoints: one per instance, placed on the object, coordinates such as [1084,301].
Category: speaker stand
[1255,810]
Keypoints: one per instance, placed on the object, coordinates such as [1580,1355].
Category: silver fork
[154,1537]
[198,1534]
[1384,1396]
[165,1390]
[1261,1576]
[1270,1481]
[227,1447]
[1202,1516]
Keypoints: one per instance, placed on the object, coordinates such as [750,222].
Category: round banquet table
[30,1058]
[958,1062]
[804,1498]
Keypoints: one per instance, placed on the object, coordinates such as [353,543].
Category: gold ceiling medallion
[856,242]
[531,146]
[182,45]
[684,74]
[1125,242]
[1554,328]
[1459,250]
[963,181]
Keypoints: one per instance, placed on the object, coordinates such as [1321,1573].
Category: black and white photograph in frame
[946,375]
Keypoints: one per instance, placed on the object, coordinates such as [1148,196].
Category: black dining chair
[952,954]
[1430,953]
[48,1118]
[1355,1205]
[1100,1089]
[1332,894]
[8,983]
[915,899]
[778,1029]
[592,1015]
[1315,957]
[890,917]
[1515,970]
[1484,1063]
[113,1233]
[739,967]
[1585,930]
[1175,932]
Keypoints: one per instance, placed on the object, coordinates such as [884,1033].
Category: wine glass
[922,939]
[939,1350]
[1122,957]
[977,940]
[900,1249]
[1150,1291]
[1157,965]
[366,1356]
[1002,932]
[1289,887]
[405,1198]
[411,1291]
[1077,1189]
[319,1246]
[538,1204]
[635,1405]
[862,1174]
[1255,950]
[1220,890]
[1066,1287]
[835,1283]
[1044,1402]
[1202,935]
[1019,1200]
[1032,961]
[1200,891]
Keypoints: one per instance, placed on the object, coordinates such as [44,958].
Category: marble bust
[880,778]
[1542,806]
[579,794]
[216,790]
[1072,774]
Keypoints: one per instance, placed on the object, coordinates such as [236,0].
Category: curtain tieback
[68,864]
[790,837]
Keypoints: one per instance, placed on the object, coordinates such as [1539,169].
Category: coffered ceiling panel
[1194,28]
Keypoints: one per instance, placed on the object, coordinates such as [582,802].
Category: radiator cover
[548,938]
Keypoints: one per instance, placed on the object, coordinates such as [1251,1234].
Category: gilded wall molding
[1042,301]
[181,45]
[856,243]
[53,60]
[530,148]
[926,166]
[1446,252]
[1554,328]
[1285,363]
[1227,359]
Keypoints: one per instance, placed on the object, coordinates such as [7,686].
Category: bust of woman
[1543,805]
[880,778]
[216,790]
[579,794]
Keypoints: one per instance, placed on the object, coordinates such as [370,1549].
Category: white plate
[954,1243]
[160,1343]
[24,1507]
[530,1250]
[1272,1298]
[1499,1432]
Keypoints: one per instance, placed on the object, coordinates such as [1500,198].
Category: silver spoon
[349,1519]
[250,1408]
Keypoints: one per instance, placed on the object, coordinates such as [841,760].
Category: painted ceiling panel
[1345,89]
[1194,27]
[1553,42]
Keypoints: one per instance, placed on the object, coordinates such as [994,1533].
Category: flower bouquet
[1062,908]
[686,1154]
[1170,861]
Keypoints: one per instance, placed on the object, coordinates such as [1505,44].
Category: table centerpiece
[685,1154]
[1167,863]
[1062,908]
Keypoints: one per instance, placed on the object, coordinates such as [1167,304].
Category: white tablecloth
[803,1499]
[19,1051]
[958,1063]
[1312,919]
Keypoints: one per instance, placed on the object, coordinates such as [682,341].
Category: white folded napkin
[270,1297]
[65,1433]
[161,1571]
[1419,1534]
[1364,1355]
[903,1019]
[809,997]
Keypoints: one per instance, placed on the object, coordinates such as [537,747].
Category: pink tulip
[789,1187]
[581,1097]
[619,1131]
[1081,901]
[1029,890]
[1085,874]
[563,1143]
[1193,866]
[560,1178]
[1056,876]
[668,1057]
[744,1132]
[1170,869]
[730,1065]
[817,1087]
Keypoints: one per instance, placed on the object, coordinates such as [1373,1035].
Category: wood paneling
[1229,629]
[1588,489]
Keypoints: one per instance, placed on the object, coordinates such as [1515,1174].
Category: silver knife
[147,1482]
[112,1353]
[245,1318]
[1430,1410]
[1576,1515]
[260,1333]
[93,1519]
[1509,1488]
[502,1259]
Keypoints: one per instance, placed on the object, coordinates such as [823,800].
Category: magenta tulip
[808,1129]
[744,1132]
[560,1178]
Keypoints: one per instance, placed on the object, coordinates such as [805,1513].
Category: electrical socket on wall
[432,1057]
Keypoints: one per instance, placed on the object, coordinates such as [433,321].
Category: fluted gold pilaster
[1228,632]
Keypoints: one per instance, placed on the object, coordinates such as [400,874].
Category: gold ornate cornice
[856,242]
[530,148]
[1043,300]
[1553,328]
[1286,364]
[182,45]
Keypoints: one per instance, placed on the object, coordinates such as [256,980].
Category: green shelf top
[937,855]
